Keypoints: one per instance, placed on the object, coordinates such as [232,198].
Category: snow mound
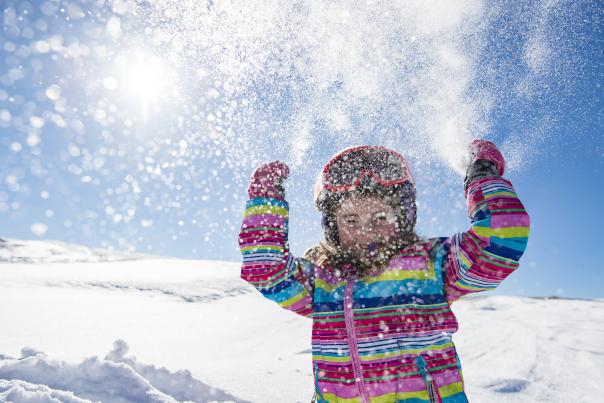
[30,251]
[180,280]
[117,379]
[25,392]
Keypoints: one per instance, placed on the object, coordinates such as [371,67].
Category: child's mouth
[373,248]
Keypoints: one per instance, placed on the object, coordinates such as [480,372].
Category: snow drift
[201,334]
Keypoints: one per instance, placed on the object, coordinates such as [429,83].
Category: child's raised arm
[482,257]
[267,263]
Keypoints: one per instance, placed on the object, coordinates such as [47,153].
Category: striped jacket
[386,337]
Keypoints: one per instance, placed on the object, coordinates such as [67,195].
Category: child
[378,295]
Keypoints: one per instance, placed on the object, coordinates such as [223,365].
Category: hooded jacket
[386,336]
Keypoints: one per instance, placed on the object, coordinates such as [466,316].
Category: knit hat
[367,170]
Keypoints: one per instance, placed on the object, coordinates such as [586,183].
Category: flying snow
[187,97]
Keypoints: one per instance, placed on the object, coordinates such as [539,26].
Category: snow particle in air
[38,229]
[9,47]
[42,47]
[114,27]
[110,83]
[33,139]
[53,92]
[5,116]
[36,122]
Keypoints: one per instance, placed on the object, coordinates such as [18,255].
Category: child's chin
[379,258]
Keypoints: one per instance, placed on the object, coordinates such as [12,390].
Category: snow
[134,328]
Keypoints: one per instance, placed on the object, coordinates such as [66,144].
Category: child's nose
[367,231]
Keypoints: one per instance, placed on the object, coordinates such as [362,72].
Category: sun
[142,77]
[145,78]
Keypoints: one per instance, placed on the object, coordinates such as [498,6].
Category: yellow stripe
[502,193]
[397,274]
[327,287]
[258,247]
[265,209]
[451,389]
[464,260]
[389,397]
[509,232]
[386,398]
[296,298]
[344,358]
[330,397]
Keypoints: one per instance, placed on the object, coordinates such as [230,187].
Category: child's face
[366,225]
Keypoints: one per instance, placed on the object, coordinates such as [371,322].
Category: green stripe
[503,263]
[400,313]
[442,306]
[508,210]
[261,228]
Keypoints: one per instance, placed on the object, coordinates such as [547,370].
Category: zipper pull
[423,370]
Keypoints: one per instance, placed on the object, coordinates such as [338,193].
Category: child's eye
[382,218]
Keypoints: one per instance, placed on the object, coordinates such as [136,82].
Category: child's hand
[485,150]
[485,161]
[267,180]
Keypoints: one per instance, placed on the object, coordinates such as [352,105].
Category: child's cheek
[387,233]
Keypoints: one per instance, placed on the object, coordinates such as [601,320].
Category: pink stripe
[351,390]
[408,263]
[262,243]
[510,220]
[414,384]
[418,333]
[300,304]
[446,377]
[403,385]
[264,220]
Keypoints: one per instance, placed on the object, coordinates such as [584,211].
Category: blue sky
[138,128]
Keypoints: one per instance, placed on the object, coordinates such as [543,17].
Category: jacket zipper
[318,397]
[433,394]
[352,341]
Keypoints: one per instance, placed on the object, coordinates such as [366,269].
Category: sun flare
[144,78]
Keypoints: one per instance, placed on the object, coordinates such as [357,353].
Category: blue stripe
[262,252]
[457,398]
[390,287]
[502,251]
[328,307]
[512,243]
[333,296]
[286,289]
[480,215]
[263,258]
[403,299]
[265,201]
[430,299]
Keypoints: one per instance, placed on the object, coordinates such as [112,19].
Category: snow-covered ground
[107,327]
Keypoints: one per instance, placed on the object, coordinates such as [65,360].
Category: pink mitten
[485,150]
[267,180]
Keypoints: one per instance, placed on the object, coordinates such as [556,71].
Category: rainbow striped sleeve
[267,263]
[484,256]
